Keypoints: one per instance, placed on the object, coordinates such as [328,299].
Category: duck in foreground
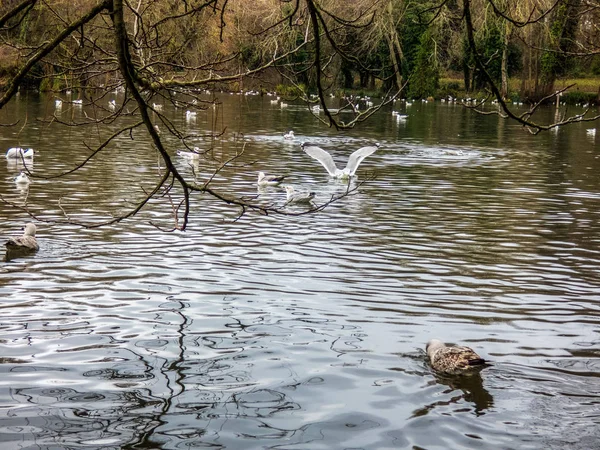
[453,360]
[269,180]
[327,161]
[23,244]
[298,197]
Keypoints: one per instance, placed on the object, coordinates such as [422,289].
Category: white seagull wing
[357,157]
[323,157]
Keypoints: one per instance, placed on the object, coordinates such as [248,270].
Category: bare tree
[155,52]
[531,17]
[172,50]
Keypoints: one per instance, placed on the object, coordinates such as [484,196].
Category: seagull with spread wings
[326,159]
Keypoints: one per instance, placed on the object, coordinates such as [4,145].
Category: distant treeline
[529,49]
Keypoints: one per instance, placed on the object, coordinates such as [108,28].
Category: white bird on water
[18,152]
[327,161]
[27,242]
[289,135]
[269,180]
[22,179]
[298,197]
[190,155]
[453,360]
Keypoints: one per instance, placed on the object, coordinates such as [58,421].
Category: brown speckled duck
[25,243]
[453,360]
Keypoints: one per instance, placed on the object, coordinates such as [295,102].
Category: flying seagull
[327,161]
[453,360]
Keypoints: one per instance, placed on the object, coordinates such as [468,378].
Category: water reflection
[306,332]
[461,389]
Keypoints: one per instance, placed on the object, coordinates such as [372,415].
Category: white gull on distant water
[289,135]
[327,161]
[22,179]
[269,180]
[190,155]
[453,360]
[298,197]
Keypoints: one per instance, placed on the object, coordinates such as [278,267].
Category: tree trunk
[466,74]
[563,32]
[504,66]
[392,43]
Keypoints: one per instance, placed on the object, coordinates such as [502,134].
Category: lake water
[303,332]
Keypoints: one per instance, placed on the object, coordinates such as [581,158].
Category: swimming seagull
[327,161]
[190,155]
[289,135]
[22,179]
[298,197]
[27,242]
[268,180]
[18,152]
[453,360]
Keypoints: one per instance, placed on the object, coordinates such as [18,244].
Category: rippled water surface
[303,332]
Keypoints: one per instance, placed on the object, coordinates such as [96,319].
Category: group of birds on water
[20,155]
[326,160]
[444,359]
[26,243]
[449,360]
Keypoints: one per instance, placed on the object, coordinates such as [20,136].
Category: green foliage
[449,88]
[411,29]
[595,65]
[46,85]
[491,47]
[419,65]
[577,97]
[290,91]
[555,62]
[250,57]
[514,97]
[424,79]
